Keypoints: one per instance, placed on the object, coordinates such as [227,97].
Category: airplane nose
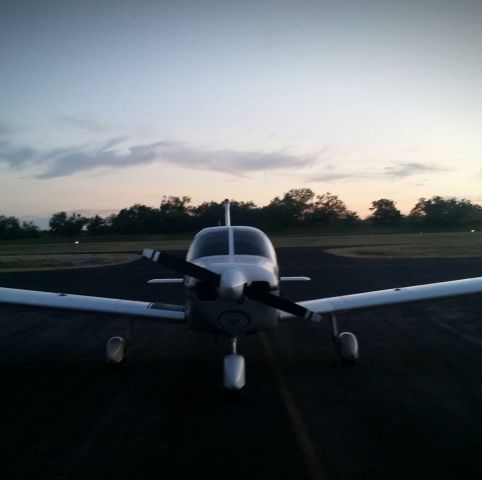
[231,286]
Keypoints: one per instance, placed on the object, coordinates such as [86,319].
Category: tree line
[296,209]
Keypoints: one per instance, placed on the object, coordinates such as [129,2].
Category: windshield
[208,243]
[252,242]
[246,241]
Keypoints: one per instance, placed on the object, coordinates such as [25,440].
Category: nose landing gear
[234,369]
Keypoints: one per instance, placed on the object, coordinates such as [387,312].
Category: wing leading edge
[82,303]
[392,296]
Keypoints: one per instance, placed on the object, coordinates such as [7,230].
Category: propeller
[253,292]
[182,266]
[281,303]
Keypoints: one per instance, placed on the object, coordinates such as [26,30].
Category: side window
[210,243]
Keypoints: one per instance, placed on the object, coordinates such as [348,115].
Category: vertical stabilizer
[227,213]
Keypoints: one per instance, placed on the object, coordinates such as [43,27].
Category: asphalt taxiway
[410,408]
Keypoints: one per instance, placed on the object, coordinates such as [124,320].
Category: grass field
[62,253]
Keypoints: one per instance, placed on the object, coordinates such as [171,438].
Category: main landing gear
[116,347]
[346,344]
[234,369]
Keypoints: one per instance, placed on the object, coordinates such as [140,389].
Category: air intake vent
[206,292]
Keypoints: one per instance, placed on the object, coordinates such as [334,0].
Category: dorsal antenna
[227,213]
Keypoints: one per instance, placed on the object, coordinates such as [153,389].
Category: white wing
[294,279]
[166,280]
[111,306]
[392,296]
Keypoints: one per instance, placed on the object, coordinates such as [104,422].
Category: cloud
[333,176]
[16,157]
[402,170]
[68,161]
[86,124]
[63,162]
[411,168]
[232,161]
[5,128]
[6,131]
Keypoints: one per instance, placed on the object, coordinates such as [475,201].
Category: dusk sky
[110,103]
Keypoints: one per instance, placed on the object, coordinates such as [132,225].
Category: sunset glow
[104,106]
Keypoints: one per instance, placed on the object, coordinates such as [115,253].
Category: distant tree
[57,223]
[98,226]
[299,196]
[30,229]
[328,209]
[175,205]
[290,210]
[62,225]
[245,213]
[175,214]
[437,211]
[10,227]
[137,219]
[208,214]
[384,212]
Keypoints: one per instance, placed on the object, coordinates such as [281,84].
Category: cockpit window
[252,242]
[215,242]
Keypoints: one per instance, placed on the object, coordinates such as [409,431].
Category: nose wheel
[234,377]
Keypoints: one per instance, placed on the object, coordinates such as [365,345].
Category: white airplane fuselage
[208,310]
[225,309]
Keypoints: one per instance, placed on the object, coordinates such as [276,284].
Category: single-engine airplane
[232,284]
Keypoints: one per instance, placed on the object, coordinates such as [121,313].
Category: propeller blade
[182,266]
[252,292]
[281,303]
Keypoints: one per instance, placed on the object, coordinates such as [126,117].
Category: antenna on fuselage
[227,213]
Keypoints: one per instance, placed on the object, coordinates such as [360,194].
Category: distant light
[76,242]
[472,231]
